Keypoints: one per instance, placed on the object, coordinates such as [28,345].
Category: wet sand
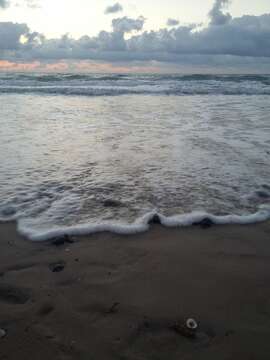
[117,297]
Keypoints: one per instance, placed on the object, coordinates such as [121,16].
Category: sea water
[85,153]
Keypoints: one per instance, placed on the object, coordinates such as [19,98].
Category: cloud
[10,35]
[126,25]
[33,4]
[216,14]
[244,39]
[113,9]
[244,36]
[4,4]
[172,22]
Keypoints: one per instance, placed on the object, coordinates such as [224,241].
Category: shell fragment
[3,333]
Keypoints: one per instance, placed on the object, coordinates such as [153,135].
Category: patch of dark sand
[19,267]
[45,309]
[13,295]
[100,308]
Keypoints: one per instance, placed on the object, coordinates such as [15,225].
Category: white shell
[191,324]
[3,333]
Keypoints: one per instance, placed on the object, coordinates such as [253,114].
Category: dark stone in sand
[13,295]
[204,223]
[146,324]
[114,308]
[9,211]
[111,203]
[154,220]
[262,194]
[229,333]
[57,267]
[62,240]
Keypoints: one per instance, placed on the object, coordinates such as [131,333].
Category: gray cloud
[113,9]
[246,38]
[216,14]
[172,22]
[4,4]
[126,25]
[10,34]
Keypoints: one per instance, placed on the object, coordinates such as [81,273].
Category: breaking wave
[121,84]
[75,166]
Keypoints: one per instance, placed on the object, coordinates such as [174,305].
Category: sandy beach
[119,297]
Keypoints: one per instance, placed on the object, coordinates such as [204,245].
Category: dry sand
[117,297]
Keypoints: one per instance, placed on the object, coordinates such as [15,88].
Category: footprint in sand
[13,295]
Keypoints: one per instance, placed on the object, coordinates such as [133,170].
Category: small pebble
[155,220]
[57,267]
[3,333]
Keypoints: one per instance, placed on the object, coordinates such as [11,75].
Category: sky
[135,36]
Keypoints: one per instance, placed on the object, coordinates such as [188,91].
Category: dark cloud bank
[246,37]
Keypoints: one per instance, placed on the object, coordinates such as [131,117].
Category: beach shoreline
[108,296]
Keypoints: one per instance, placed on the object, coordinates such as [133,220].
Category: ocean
[81,153]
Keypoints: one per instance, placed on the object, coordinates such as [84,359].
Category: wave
[132,90]
[121,84]
[157,77]
[61,77]
[224,78]
[142,224]
[153,77]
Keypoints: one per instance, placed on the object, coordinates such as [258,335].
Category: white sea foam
[142,224]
